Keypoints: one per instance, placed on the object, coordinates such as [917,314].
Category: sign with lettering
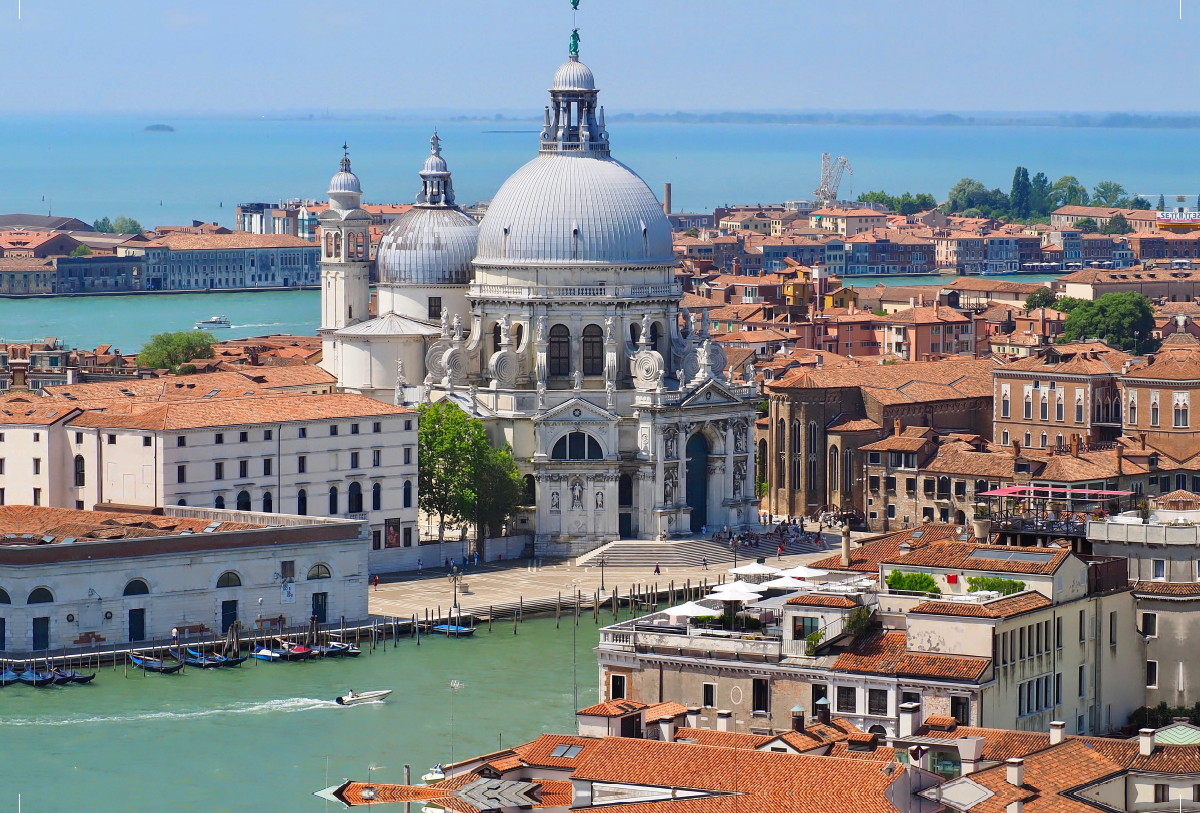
[287,592]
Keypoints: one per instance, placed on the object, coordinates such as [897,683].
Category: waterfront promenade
[538,587]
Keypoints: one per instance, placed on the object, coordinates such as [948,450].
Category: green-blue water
[256,738]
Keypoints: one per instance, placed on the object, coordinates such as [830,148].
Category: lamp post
[602,560]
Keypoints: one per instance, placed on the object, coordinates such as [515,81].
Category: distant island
[160,128]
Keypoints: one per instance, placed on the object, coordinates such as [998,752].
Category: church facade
[557,322]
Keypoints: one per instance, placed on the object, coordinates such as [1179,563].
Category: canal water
[127,322]
[257,738]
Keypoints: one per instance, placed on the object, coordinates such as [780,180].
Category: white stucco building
[568,340]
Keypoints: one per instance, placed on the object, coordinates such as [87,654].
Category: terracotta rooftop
[180,241]
[974,556]
[39,525]
[1004,607]
[887,653]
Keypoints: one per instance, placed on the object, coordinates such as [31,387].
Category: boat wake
[285,705]
[263,324]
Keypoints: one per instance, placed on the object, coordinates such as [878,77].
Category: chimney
[910,719]
[1143,437]
[936,304]
[1057,730]
[823,711]
[1015,773]
[1146,741]
[895,426]
[1016,448]
[724,720]
[693,716]
[666,728]
[970,751]
[1120,459]
[912,301]
[1074,445]
[798,718]
[846,545]
[667,198]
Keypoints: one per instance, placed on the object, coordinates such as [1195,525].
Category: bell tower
[345,253]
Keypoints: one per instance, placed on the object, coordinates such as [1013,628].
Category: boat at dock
[214,323]
[32,677]
[453,630]
[352,699]
[295,652]
[263,653]
[221,660]
[155,664]
[198,661]
[8,677]
[71,676]
[336,649]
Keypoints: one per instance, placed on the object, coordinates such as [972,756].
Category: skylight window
[566,751]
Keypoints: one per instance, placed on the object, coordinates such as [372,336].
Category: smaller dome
[345,183]
[574,75]
[430,246]
[435,163]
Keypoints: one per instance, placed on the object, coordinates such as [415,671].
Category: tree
[169,350]
[1041,298]
[498,492]
[1139,203]
[971,194]
[1162,203]
[692,233]
[1021,197]
[1087,225]
[1108,193]
[906,204]
[103,225]
[126,225]
[913,582]
[1119,319]
[80,251]
[1066,304]
[1068,191]
[1039,195]
[1117,224]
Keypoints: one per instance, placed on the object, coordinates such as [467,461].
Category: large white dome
[428,245]
[564,209]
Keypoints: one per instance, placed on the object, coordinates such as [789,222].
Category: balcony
[646,636]
[585,292]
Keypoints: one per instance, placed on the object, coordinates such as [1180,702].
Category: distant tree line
[906,204]
[118,225]
[1035,197]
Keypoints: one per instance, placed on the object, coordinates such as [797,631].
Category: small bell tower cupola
[345,252]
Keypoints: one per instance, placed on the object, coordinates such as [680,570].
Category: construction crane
[831,178]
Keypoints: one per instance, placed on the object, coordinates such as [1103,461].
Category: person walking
[375,581]
[704,531]
[420,564]
[476,558]
[657,572]
[704,559]
[779,553]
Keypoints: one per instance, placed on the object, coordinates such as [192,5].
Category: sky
[269,57]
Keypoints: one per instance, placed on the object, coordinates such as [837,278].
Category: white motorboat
[436,774]
[213,323]
[353,698]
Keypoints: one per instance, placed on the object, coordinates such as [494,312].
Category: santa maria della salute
[557,322]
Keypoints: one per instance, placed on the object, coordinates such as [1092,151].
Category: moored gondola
[155,664]
[32,677]
[198,661]
[8,677]
[71,676]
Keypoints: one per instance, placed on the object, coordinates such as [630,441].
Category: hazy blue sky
[266,56]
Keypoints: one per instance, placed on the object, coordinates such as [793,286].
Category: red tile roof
[886,653]
[1005,607]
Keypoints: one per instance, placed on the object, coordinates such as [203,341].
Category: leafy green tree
[1040,199]
[906,204]
[169,350]
[80,251]
[1041,298]
[103,225]
[498,491]
[1117,224]
[1162,203]
[1068,191]
[1066,304]
[971,194]
[126,225]
[692,233]
[1108,193]
[1139,203]
[1087,225]
[1115,319]
[1020,199]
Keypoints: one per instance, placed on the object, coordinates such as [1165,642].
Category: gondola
[453,630]
[347,650]
[32,677]
[220,660]
[74,677]
[155,664]
[336,649]
[295,652]
[61,678]
[198,661]
[8,677]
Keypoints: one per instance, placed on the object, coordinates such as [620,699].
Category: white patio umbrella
[754,569]
[734,595]
[786,583]
[691,609]
[739,585]
[802,572]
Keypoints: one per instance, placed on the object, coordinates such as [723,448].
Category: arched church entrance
[697,480]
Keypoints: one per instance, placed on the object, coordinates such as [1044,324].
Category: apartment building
[847,222]
[1048,636]
[180,261]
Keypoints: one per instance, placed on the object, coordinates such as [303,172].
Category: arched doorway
[697,480]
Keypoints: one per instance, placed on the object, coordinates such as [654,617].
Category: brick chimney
[1057,731]
[823,711]
[798,718]
[895,426]
[846,545]
[1120,459]
[921,300]
[1074,445]
[1016,448]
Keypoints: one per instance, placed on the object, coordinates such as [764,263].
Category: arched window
[530,483]
[302,502]
[328,244]
[655,332]
[354,499]
[40,595]
[1058,441]
[182,502]
[833,468]
[635,332]
[625,491]
[1004,405]
[577,446]
[243,501]
[812,437]
[333,501]
[79,475]
[848,471]
[408,494]
[560,351]
[1132,413]
[319,572]
[593,350]
[337,244]
[268,503]
[219,502]
[1028,408]
[496,338]
[797,456]
[1043,440]
[4,599]
[1116,410]
[137,587]
[229,579]
[1044,408]
[1059,409]
[1028,440]
[377,497]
